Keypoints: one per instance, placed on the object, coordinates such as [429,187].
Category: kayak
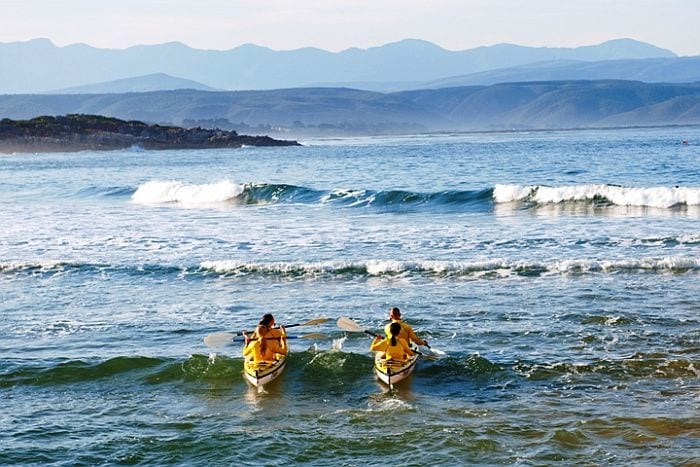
[263,372]
[391,372]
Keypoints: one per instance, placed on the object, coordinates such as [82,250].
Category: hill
[563,104]
[147,83]
[527,105]
[652,70]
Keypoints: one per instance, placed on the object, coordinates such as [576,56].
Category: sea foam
[656,197]
[487,268]
[155,192]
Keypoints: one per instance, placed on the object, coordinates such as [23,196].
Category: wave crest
[656,197]
[372,268]
[156,192]
[488,268]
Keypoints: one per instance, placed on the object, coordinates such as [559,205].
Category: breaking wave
[161,192]
[328,369]
[371,268]
[655,197]
[155,192]
[226,191]
[489,268]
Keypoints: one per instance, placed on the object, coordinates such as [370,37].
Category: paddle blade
[308,323]
[432,352]
[313,336]
[346,324]
[315,321]
[219,339]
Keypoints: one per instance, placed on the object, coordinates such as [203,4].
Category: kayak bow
[261,373]
[391,372]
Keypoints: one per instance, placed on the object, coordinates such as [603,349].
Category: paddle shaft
[286,327]
[415,351]
[282,337]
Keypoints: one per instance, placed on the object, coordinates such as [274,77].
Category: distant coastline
[78,132]
[317,112]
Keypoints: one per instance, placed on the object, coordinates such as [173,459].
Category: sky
[340,24]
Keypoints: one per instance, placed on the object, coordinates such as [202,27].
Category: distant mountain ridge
[147,83]
[39,66]
[651,70]
[507,106]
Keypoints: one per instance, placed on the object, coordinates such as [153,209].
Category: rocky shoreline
[77,132]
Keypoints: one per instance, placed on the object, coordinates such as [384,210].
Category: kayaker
[268,321]
[263,346]
[407,332]
[394,347]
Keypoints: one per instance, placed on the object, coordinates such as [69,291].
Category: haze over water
[558,270]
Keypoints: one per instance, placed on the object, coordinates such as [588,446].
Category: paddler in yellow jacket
[267,344]
[394,348]
[407,333]
[268,321]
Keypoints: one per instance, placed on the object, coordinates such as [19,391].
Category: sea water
[559,271]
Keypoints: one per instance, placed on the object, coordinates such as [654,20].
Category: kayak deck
[391,372]
[261,373]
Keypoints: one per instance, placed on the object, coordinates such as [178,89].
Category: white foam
[359,196]
[671,263]
[45,265]
[657,197]
[689,239]
[155,192]
[490,268]
[284,268]
[338,343]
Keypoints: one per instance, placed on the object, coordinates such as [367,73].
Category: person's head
[394,313]
[394,330]
[267,320]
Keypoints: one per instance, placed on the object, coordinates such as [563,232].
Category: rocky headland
[78,132]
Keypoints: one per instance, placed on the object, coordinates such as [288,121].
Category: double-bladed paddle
[346,324]
[218,339]
[433,352]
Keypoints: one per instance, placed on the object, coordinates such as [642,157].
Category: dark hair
[395,330]
[395,311]
[266,320]
[261,331]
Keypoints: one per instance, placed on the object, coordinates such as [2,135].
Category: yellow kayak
[261,373]
[391,372]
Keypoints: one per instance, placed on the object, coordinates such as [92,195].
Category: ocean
[558,271]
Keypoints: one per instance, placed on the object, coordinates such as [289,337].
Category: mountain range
[407,86]
[303,111]
[39,66]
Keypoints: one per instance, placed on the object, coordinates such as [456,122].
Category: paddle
[217,339]
[435,352]
[313,335]
[346,324]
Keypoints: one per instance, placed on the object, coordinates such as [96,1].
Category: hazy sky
[340,24]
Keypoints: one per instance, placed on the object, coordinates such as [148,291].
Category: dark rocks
[82,132]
